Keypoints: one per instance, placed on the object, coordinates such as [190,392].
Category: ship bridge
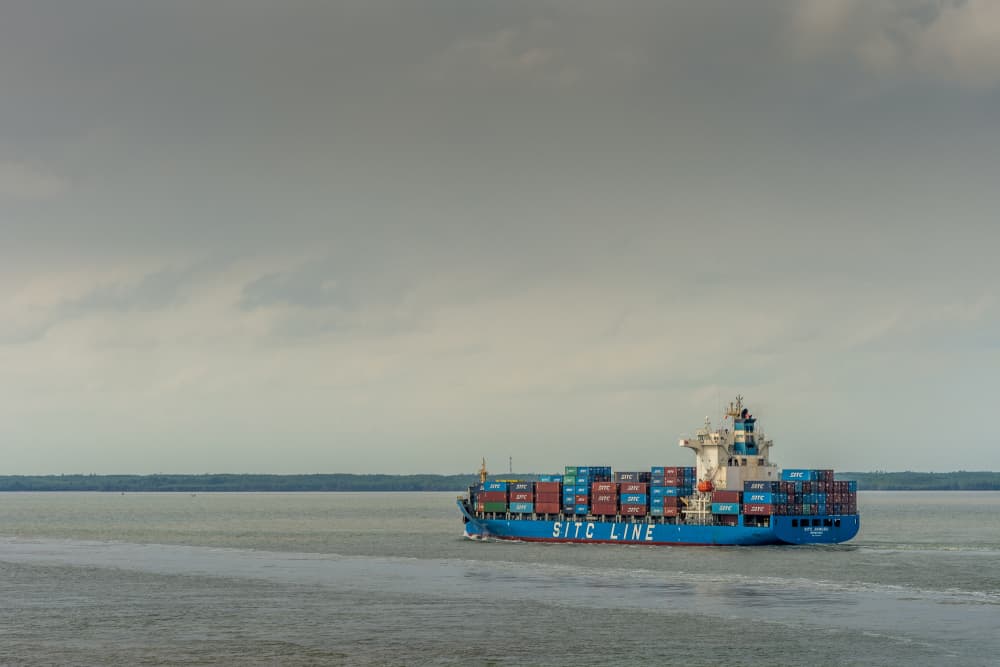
[734,453]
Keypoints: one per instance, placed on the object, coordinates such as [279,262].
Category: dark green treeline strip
[237,482]
[870,481]
[925,481]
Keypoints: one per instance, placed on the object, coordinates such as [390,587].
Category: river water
[386,579]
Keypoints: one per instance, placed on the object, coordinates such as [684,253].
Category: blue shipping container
[657,470]
[582,509]
[725,508]
[758,497]
[495,486]
[634,499]
[798,475]
[760,486]
[522,508]
[673,491]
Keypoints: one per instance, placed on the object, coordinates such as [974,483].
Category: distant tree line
[870,481]
[236,482]
[961,480]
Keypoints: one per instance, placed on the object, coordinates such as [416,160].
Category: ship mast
[482,471]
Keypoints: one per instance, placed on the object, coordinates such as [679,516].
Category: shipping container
[494,486]
[633,510]
[634,499]
[520,486]
[548,497]
[581,509]
[759,497]
[725,508]
[491,507]
[665,511]
[548,487]
[521,496]
[571,470]
[547,508]
[758,485]
[605,498]
[798,475]
[603,487]
[581,499]
[633,487]
[604,509]
[522,508]
[757,509]
[492,496]
[673,491]
[726,497]
[656,470]
[626,477]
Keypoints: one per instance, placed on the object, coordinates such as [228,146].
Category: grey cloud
[314,285]
[154,291]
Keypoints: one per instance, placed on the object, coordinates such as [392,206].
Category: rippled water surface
[344,578]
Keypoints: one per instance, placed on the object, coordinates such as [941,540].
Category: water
[305,579]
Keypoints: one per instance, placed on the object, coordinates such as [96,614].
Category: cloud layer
[386,237]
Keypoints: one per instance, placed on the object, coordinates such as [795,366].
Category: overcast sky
[398,236]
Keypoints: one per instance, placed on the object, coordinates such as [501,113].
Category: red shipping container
[672,481]
[605,499]
[548,497]
[673,471]
[671,501]
[633,487]
[604,510]
[582,500]
[491,497]
[521,497]
[726,497]
[757,509]
[548,487]
[602,486]
[634,510]
[547,508]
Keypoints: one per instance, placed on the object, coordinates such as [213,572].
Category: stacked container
[522,497]
[801,492]
[667,484]
[548,494]
[604,497]
[491,497]
[576,487]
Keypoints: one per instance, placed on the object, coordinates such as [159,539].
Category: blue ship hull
[823,529]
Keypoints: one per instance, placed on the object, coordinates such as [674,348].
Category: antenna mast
[482,471]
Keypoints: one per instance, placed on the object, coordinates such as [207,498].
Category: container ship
[733,495]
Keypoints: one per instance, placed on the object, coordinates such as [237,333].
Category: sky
[397,236]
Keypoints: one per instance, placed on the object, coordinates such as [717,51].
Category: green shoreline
[867,481]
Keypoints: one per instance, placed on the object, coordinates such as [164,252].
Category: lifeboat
[705,486]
